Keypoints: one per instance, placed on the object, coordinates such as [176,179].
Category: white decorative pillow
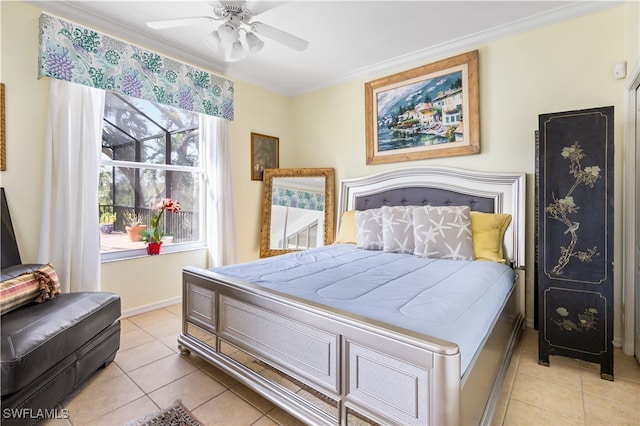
[397,229]
[369,229]
[443,232]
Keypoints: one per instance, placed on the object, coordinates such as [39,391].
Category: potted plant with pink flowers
[153,236]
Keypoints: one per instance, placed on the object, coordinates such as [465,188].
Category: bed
[281,327]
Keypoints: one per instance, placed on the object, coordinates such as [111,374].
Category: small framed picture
[264,154]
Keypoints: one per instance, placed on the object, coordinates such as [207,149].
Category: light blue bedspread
[449,299]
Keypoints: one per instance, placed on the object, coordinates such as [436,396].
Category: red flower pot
[153,248]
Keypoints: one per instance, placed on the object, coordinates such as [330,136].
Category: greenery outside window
[149,152]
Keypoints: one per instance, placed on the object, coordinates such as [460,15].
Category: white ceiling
[347,39]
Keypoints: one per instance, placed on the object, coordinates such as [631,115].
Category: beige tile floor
[148,374]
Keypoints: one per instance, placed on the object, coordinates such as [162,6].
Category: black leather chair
[49,349]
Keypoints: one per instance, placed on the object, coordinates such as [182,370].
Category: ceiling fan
[236,35]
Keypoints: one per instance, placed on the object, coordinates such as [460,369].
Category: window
[149,152]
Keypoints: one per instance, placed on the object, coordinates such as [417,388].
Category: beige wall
[632,34]
[147,280]
[26,114]
[260,111]
[559,67]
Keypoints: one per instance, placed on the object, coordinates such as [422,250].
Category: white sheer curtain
[221,222]
[69,233]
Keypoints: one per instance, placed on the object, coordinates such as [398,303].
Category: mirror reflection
[297,213]
[297,210]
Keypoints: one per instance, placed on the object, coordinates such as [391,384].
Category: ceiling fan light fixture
[213,41]
[227,33]
[237,52]
[237,36]
[254,44]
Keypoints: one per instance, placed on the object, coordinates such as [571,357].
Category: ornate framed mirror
[297,210]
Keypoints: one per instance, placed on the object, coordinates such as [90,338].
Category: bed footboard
[482,384]
[325,366]
[322,366]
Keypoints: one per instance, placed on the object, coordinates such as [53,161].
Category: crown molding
[71,11]
[560,14]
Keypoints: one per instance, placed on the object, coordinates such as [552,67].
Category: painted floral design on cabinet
[562,209]
[583,322]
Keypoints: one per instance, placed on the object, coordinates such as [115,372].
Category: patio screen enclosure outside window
[149,151]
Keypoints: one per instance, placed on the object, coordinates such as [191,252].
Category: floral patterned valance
[81,55]
[297,198]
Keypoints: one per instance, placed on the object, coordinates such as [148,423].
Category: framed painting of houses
[426,112]
[264,154]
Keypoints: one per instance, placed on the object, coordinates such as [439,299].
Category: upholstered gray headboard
[422,196]
[441,186]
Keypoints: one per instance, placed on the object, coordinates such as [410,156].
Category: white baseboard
[151,307]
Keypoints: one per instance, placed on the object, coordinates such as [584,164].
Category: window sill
[123,255]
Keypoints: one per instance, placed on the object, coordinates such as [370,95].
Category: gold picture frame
[264,154]
[3,131]
[427,112]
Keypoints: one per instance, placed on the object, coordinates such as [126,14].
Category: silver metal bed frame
[326,366]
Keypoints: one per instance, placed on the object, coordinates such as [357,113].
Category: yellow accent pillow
[347,232]
[488,232]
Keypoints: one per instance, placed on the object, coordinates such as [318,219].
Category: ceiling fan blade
[257,7]
[280,36]
[179,22]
